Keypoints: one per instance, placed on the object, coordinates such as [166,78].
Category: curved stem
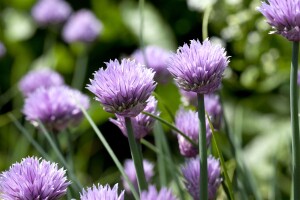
[295,120]
[202,149]
[136,156]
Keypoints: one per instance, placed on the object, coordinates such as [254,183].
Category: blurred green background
[255,87]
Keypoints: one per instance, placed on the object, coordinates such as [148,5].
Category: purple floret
[35,79]
[101,192]
[153,194]
[55,107]
[83,26]
[130,171]
[156,59]
[198,67]
[187,121]
[33,178]
[123,88]
[191,173]
[283,16]
[142,124]
[47,12]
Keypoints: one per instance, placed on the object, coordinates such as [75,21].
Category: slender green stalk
[220,156]
[80,70]
[172,127]
[243,172]
[295,121]
[109,150]
[136,156]
[205,22]
[60,156]
[141,8]
[29,137]
[171,165]
[160,160]
[202,149]
[70,150]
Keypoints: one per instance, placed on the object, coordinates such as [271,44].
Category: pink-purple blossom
[56,107]
[198,67]
[142,124]
[46,12]
[283,16]
[43,77]
[187,121]
[130,171]
[102,192]
[33,178]
[156,58]
[191,173]
[153,194]
[123,87]
[83,26]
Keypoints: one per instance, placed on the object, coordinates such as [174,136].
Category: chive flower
[49,12]
[187,122]
[101,192]
[155,58]
[43,77]
[142,124]
[123,87]
[191,173]
[198,67]
[83,26]
[130,171]
[33,178]
[55,107]
[212,105]
[283,17]
[153,194]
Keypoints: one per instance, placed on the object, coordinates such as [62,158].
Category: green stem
[202,149]
[172,127]
[70,150]
[60,156]
[160,160]
[80,71]
[29,137]
[295,121]
[136,156]
[205,22]
[109,150]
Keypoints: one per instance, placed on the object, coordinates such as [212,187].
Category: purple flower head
[283,16]
[123,88]
[187,121]
[35,79]
[212,105]
[142,124]
[153,194]
[191,173]
[55,107]
[33,178]
[47,12]
[2,50]
[156,58]
[83,26]
[198,67]
[130,171]
[102,193]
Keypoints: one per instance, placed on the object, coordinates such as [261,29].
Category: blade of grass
[29,137]
[160,161]
[172,127]
[109,150]
[60,156]
[227,179]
